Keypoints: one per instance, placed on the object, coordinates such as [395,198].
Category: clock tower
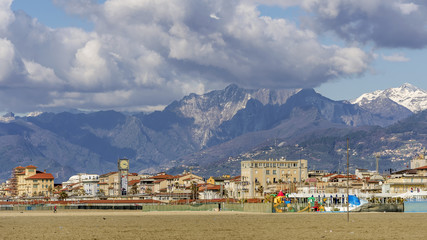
[123,166]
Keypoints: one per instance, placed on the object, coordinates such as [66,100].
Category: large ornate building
[260,174]
[27,181]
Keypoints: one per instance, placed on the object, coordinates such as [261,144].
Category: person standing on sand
[54,209]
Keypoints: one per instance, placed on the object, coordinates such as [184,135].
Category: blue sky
[49,14]
[128,55]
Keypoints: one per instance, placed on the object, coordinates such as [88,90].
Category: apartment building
[29,182]
[109,182]
[259,175]
[83,183]
[408,180]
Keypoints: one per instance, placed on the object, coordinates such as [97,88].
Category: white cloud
[41,75]
[7,55]
[351,60]
[397,57]
[147,53]
[407,8]
[214,16]
[6,15]
[89,69]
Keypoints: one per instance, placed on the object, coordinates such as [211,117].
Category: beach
[81,224]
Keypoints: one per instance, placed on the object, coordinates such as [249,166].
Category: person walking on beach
[54,209]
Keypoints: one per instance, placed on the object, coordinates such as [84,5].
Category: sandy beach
[78,224]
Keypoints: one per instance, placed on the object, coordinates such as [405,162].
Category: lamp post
[348,177]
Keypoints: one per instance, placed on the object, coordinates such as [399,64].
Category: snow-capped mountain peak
[8,117]
[407,95]
[34,114]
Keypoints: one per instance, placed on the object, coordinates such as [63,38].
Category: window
[295,171]
[274,172]
[267,172]
[283,171]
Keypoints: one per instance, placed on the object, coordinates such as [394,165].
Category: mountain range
[212,132]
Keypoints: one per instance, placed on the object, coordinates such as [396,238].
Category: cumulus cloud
[40,75]
[142,54]
[6,15]
[386,23]
[7,55]
[350,60]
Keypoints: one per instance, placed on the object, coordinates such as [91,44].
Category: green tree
[134,189]
[50,190]
[194,191]
[63,195]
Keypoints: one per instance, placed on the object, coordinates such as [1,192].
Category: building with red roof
[27,181]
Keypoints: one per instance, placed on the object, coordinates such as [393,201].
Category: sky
[140,55]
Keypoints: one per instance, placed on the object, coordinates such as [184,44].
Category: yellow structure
[218,180]
[259,174]
[30,182]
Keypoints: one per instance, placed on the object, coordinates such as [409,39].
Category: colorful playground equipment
[282,203]
[313,205]
[293,203]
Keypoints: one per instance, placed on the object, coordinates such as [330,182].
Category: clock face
[124,164]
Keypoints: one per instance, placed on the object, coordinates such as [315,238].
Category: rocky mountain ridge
[199,130]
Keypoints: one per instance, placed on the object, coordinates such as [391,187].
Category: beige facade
[109,182]
[30,182]
[258,175]
[407,183]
